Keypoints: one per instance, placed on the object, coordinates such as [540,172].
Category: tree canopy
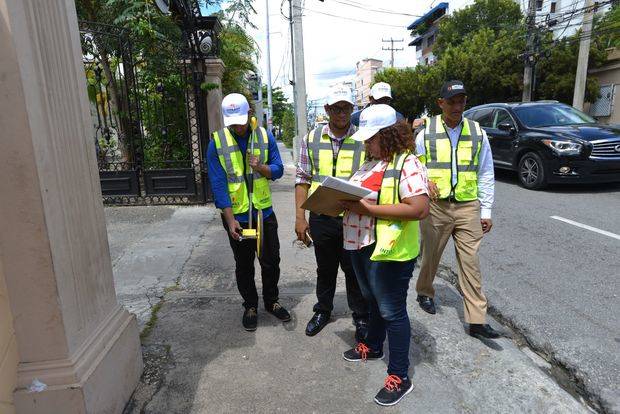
[482,45]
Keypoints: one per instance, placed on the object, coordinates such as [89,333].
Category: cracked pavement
[198,358]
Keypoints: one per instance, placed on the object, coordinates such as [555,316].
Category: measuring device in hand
[254,230]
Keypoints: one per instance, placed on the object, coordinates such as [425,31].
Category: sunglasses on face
[341,109]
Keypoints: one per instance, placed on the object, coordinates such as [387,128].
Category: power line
[285,57]
[351,19]
[361,6]
[342,72]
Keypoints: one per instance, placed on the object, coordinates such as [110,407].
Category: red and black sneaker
[394,390]
[361,353]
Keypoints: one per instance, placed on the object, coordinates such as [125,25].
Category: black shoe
[316,323]
[361,353]
[427,304]
[394,390]
[483,331]
[250,319]
[279,312]
[361,330]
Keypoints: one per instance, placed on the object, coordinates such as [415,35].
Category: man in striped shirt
[326,231]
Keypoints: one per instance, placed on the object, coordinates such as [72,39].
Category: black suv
[550,142]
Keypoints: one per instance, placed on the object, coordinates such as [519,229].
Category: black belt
[451,199]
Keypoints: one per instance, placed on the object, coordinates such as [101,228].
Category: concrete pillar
[214,73]
[8,351]
[70,331]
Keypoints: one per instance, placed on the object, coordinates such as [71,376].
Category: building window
[426,61]
[539,5]
[552,8]
[430,41]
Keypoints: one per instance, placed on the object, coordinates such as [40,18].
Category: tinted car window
[470,114]
[484,117]
[502,117]
[551,115]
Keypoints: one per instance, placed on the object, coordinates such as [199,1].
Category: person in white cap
[380,93]
[381,232]
[328,150]
[229,165]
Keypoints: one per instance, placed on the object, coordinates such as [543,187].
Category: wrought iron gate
[149,114]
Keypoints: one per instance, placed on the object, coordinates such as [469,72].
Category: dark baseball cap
[452,88]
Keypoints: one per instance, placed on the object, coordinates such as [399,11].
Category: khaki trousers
[462,222]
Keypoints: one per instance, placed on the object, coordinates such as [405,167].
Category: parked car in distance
[549,142]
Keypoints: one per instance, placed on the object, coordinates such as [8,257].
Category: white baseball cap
[339,93]
[235,109]
[381,90]
[373,119]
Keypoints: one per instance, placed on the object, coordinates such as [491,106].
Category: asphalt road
[559,283]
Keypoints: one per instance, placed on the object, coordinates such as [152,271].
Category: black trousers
[326,233]
[245,252]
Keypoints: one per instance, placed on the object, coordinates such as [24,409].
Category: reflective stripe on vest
[438,158]
[321,154]
[396,240]
[238,171]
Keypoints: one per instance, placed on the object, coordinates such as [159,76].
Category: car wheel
[532,172]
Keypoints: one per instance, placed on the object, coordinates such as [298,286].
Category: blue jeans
[384,285]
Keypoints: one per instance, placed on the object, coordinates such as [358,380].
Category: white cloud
[333,45]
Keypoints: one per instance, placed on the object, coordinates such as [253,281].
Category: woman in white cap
[381,231]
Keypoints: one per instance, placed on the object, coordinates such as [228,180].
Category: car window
[470,114]
[502,117]
[551,115]
[485,117]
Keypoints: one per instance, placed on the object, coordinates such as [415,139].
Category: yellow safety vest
[238,170]
[325,163]
[438,158]
[396,240]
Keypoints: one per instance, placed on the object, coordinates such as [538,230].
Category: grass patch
[148,327]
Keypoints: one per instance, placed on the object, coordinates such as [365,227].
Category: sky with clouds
[337,34]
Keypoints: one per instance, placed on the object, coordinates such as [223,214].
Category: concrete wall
[8,351]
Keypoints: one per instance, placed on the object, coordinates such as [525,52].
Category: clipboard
[327,197]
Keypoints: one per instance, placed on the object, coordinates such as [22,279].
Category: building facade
[365,71]
[564,17]
[424,33]
[606,108]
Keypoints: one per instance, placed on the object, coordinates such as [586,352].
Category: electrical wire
[285,56]
[350,18]
[360,6]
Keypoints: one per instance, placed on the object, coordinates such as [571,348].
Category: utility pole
[529,55]
[584,54]
[257,96]
[391,48]
[299,82]
[269,96]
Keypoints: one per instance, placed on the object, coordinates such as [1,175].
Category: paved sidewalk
[200,360]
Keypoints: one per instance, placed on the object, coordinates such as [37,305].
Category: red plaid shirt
[304,166]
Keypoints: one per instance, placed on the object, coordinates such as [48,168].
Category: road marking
[585,226]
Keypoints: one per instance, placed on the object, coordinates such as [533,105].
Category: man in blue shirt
[229,179]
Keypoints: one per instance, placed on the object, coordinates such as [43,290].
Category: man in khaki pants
[459,162]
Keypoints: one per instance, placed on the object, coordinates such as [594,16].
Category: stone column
[214,73]
[8,351]
[70,331]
